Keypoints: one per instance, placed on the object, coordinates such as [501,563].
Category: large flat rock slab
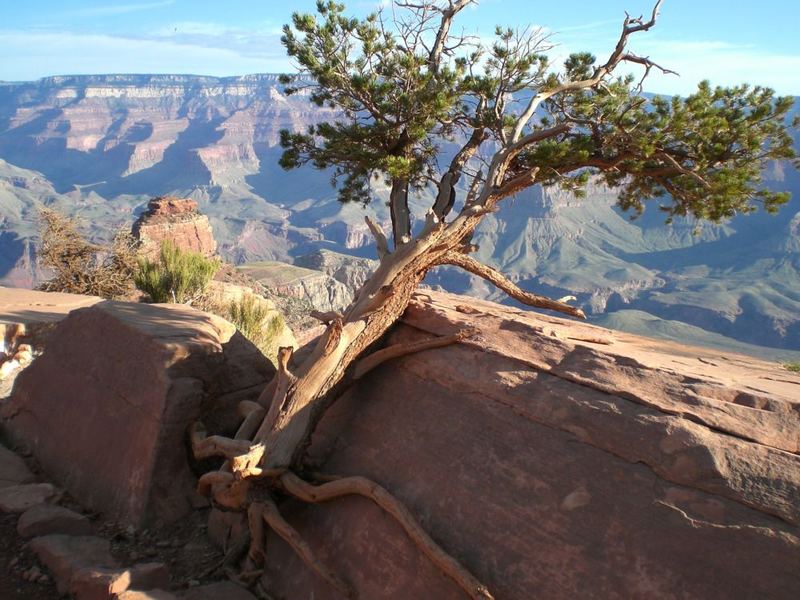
[105,408]
[27,317]
[558,460]
[19,305]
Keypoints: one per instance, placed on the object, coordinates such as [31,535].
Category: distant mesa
[177,220]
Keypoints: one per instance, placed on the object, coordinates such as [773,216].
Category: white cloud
[722,63]
[589,26]
[27,55]
[218,49]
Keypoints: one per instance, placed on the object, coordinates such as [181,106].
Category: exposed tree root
[284,380]
[216,445]
[267,512]
[250,424]
[361,486]
[366,364]
[225,489]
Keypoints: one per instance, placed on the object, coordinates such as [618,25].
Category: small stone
[96,583]
[64,555]
[45,519]
[163,544]
[193,582]
[43,578]
[13,469]
[13,562]
[19,498]
[130,531]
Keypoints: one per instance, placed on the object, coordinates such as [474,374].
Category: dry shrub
[81,267]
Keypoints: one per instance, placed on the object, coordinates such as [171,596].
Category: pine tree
[404,85]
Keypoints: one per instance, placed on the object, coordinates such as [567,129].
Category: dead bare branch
[454,6]
[629,27]
[380,238]
[325,317]
[377,358]
[501,281]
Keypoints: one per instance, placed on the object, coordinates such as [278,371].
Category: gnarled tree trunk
[265,459]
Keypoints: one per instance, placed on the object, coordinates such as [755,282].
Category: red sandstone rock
[97,583]
[65,555]
[218,591]
[13,469]
[46,519]
[225,526]
[166,206]
[557,468]
[177,220]
[106,407]
[19,498]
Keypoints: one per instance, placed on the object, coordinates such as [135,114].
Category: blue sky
[726,41]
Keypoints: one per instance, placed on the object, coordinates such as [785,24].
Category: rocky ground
[179,557]
[545,454]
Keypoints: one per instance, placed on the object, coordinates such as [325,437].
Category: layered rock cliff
[175,220]
[100,146]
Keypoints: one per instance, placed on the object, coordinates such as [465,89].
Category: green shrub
[252,318]
[176,276]
[793,366]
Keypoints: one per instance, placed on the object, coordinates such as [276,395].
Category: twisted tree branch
[272,517]
[366,364]
[380,238]
[629,26]
[501,281]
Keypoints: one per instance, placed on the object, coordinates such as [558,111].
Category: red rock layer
[176,220]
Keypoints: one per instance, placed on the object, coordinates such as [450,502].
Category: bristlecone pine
[403,84]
